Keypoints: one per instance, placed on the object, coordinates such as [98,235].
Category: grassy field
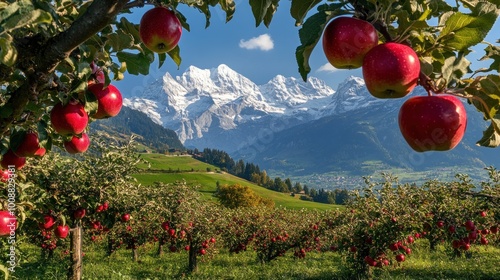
[422,264]
[169,169]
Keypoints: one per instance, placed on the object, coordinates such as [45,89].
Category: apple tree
[81,194]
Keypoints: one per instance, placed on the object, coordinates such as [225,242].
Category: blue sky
[258,53]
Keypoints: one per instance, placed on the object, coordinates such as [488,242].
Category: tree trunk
[160,248]
[109,250]
[75,271]
[192,266]
[135,254]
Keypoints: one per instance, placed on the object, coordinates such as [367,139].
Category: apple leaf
[492,52]
[455,67]
[91,104]
[120,40]
[5,271]
[129,28]
[229,7]
[260,9]
[311,32]
[484,92]
[137,63]
[175,54]
[25,18]
[462,31]
[8,52]
[300,8]
[270,13]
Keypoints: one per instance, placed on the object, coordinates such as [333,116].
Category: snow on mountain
[221,108]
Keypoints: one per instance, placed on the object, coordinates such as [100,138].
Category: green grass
[208,180]
[422,264]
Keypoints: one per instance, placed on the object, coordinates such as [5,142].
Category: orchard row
[378,228]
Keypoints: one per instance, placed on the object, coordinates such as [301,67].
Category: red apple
[77,144]
[61,231]
[125,217]
[346,41]
[109,100]
[7,223]
[165,225]
[203,251]
[400,258]
[484,241]
[482,214]
[432,123]
[440,224]
[160,30]
[5,175]
[79,213]
[10,159]
[469,225]
[48,221]
[99,208]
[391,70]
[494,229]
[452,229]
[69,119]
[29,145]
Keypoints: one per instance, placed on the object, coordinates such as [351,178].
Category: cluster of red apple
[69,120]
[392,70]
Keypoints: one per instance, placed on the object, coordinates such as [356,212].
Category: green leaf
[492,52]
[454,68]
[8,52]
[491,138]
[5,271]
[462,31]
[229,7]
[91,104]
[270,13]
[175,54]
[259,9]
[300,8]
[120,40]
[161,57]
[137,63]
[129,28]
[311,32]
[485,92]
[21,20]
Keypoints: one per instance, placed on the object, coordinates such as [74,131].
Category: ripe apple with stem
[77,144]
[391,70]
[69,119]
[160,29]
[61,231]
[109,100]
[433,122]
[29,145]
[346,41]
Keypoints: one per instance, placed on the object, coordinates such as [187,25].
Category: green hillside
[169,169]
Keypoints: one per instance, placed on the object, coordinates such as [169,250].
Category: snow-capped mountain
[220,108]
[211,107]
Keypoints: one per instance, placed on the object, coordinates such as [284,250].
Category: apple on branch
[432,123]
[77,144]
[160,29]
[109,100]
[69,119]
[346,41]
[391,70]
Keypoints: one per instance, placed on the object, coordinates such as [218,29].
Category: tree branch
[98,15]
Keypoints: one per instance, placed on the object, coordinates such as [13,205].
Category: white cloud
[263,42]
[327,67]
